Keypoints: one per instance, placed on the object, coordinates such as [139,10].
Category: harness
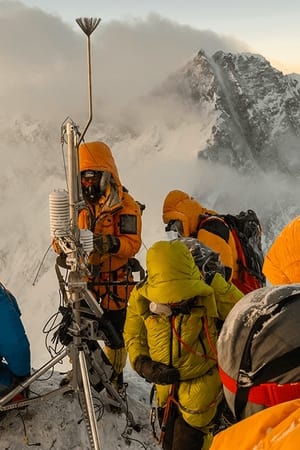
[170,411]
[111,281]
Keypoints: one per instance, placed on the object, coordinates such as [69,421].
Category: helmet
[91,184]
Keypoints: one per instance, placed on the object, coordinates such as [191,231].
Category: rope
[210,341]
[171,399]
[190,349]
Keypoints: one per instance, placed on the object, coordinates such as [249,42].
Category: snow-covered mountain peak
[257,109]
[259,114]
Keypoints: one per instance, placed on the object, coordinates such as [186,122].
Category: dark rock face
[257,123]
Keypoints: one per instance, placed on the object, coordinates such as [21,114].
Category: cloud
[144,52]
[44,68]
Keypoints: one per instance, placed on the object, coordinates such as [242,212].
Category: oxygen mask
[90,184]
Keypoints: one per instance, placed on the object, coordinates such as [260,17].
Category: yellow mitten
[117,358]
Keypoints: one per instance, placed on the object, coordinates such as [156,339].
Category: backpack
[246,229]
[259,350]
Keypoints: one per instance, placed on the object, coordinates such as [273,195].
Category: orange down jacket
[275,428]
[116,213]
[282,261]
[178,205]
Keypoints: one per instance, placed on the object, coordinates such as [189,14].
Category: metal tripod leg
[116,399]
[91,422]
[26,383]
[80,383]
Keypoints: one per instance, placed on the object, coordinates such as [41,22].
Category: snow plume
[272,195]
[146,51]
[44,60]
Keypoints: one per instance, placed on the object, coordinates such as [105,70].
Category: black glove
[106,243]
[155,372]
[175,225]
[208,262]
[211,267]
[205,258]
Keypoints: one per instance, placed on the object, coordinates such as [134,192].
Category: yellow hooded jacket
[275,428]
[110,215]
[282,261]
[186,339]
[178,205]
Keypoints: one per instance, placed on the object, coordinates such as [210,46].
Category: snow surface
[57,423]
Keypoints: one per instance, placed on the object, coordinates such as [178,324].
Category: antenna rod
[88,25]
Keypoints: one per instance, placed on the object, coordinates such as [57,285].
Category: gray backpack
[259,350]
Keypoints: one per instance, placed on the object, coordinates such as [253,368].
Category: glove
[205,258]
[155,372]
[175,225]
[210,268]
[117,358]
[106,243]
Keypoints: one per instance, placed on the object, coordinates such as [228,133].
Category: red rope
[171,398]
[210,341]
[190,349]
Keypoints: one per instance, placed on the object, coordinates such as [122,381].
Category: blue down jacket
[14,344]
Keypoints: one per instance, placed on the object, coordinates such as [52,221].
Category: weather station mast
[82,325]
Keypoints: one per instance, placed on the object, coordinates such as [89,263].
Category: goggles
[90,176]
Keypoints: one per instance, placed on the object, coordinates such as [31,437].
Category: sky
[43,59]
[134,49]
[268,27]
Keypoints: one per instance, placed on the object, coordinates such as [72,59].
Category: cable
[41,264]
[26,439]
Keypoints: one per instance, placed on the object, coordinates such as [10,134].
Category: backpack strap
[267,394]
[214,224]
